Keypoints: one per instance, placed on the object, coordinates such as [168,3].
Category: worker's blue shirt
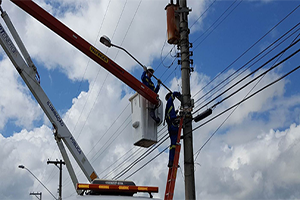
[170,112]
[147,81]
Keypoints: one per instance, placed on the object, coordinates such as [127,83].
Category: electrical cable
[237,104]
[122,42]
[95,157]
[147,151]
[251,74]
[209,27]
[98,74]
[109,129]
[130,167]
[202,14]
[248,49]
[137,160]
[199,150]
[94,44]
[126,159]
[245,99]
[86,70]
[216,22]
[161,52]
[146,163]
[174,45]
[245,68]
[115,168]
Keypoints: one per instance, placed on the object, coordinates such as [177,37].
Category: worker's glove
[158,81]
[176,121]
[145,68]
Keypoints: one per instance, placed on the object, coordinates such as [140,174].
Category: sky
[250,152]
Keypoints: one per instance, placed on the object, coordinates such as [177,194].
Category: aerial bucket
[144,127]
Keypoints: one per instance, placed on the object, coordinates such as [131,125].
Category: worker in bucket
[146,79]
[172,120]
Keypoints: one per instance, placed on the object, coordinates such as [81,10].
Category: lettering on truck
[75,144]
[7,40]
[55,113]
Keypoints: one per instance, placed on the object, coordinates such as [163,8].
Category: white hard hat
[150,68]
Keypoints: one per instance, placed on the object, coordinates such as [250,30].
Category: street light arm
[23,167]
[128,54]
[113,45]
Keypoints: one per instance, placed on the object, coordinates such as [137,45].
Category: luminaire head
[106,41]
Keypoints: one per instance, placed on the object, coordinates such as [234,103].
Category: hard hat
[149,68]
[168,96]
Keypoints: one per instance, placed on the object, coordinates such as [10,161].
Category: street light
[23,167]
[107,42]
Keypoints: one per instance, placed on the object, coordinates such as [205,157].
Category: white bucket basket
[144,127]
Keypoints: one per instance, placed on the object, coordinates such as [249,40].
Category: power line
[146,163]
[95,157]
[245,68]
[198,152]
[216,22]
[237,104]
[162,60]
[205,31]
[120,174]
[247,98]
[136,152]
[202,14]
[251,74]
[86,70]
[248,49]
[141,158]
[109,128]
[119,163]
[98,74]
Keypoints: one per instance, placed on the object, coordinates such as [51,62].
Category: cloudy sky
[252,153]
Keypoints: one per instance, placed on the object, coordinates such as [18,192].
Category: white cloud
[252,157]
[16,103]
[261,168]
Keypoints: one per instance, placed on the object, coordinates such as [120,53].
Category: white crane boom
[29,74]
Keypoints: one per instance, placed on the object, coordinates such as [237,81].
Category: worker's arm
[157,88]
[176,94]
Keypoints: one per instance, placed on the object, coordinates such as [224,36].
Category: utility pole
[35,194]
[186,103]
[60,175]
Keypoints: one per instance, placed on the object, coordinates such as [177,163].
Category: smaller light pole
[23,167]
[106,41]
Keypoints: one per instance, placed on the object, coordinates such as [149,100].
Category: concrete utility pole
[60,175]
[186,103]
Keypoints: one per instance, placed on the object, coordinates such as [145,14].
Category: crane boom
[66,33]
[29,75]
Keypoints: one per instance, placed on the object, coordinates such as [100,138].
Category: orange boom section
[62,30]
